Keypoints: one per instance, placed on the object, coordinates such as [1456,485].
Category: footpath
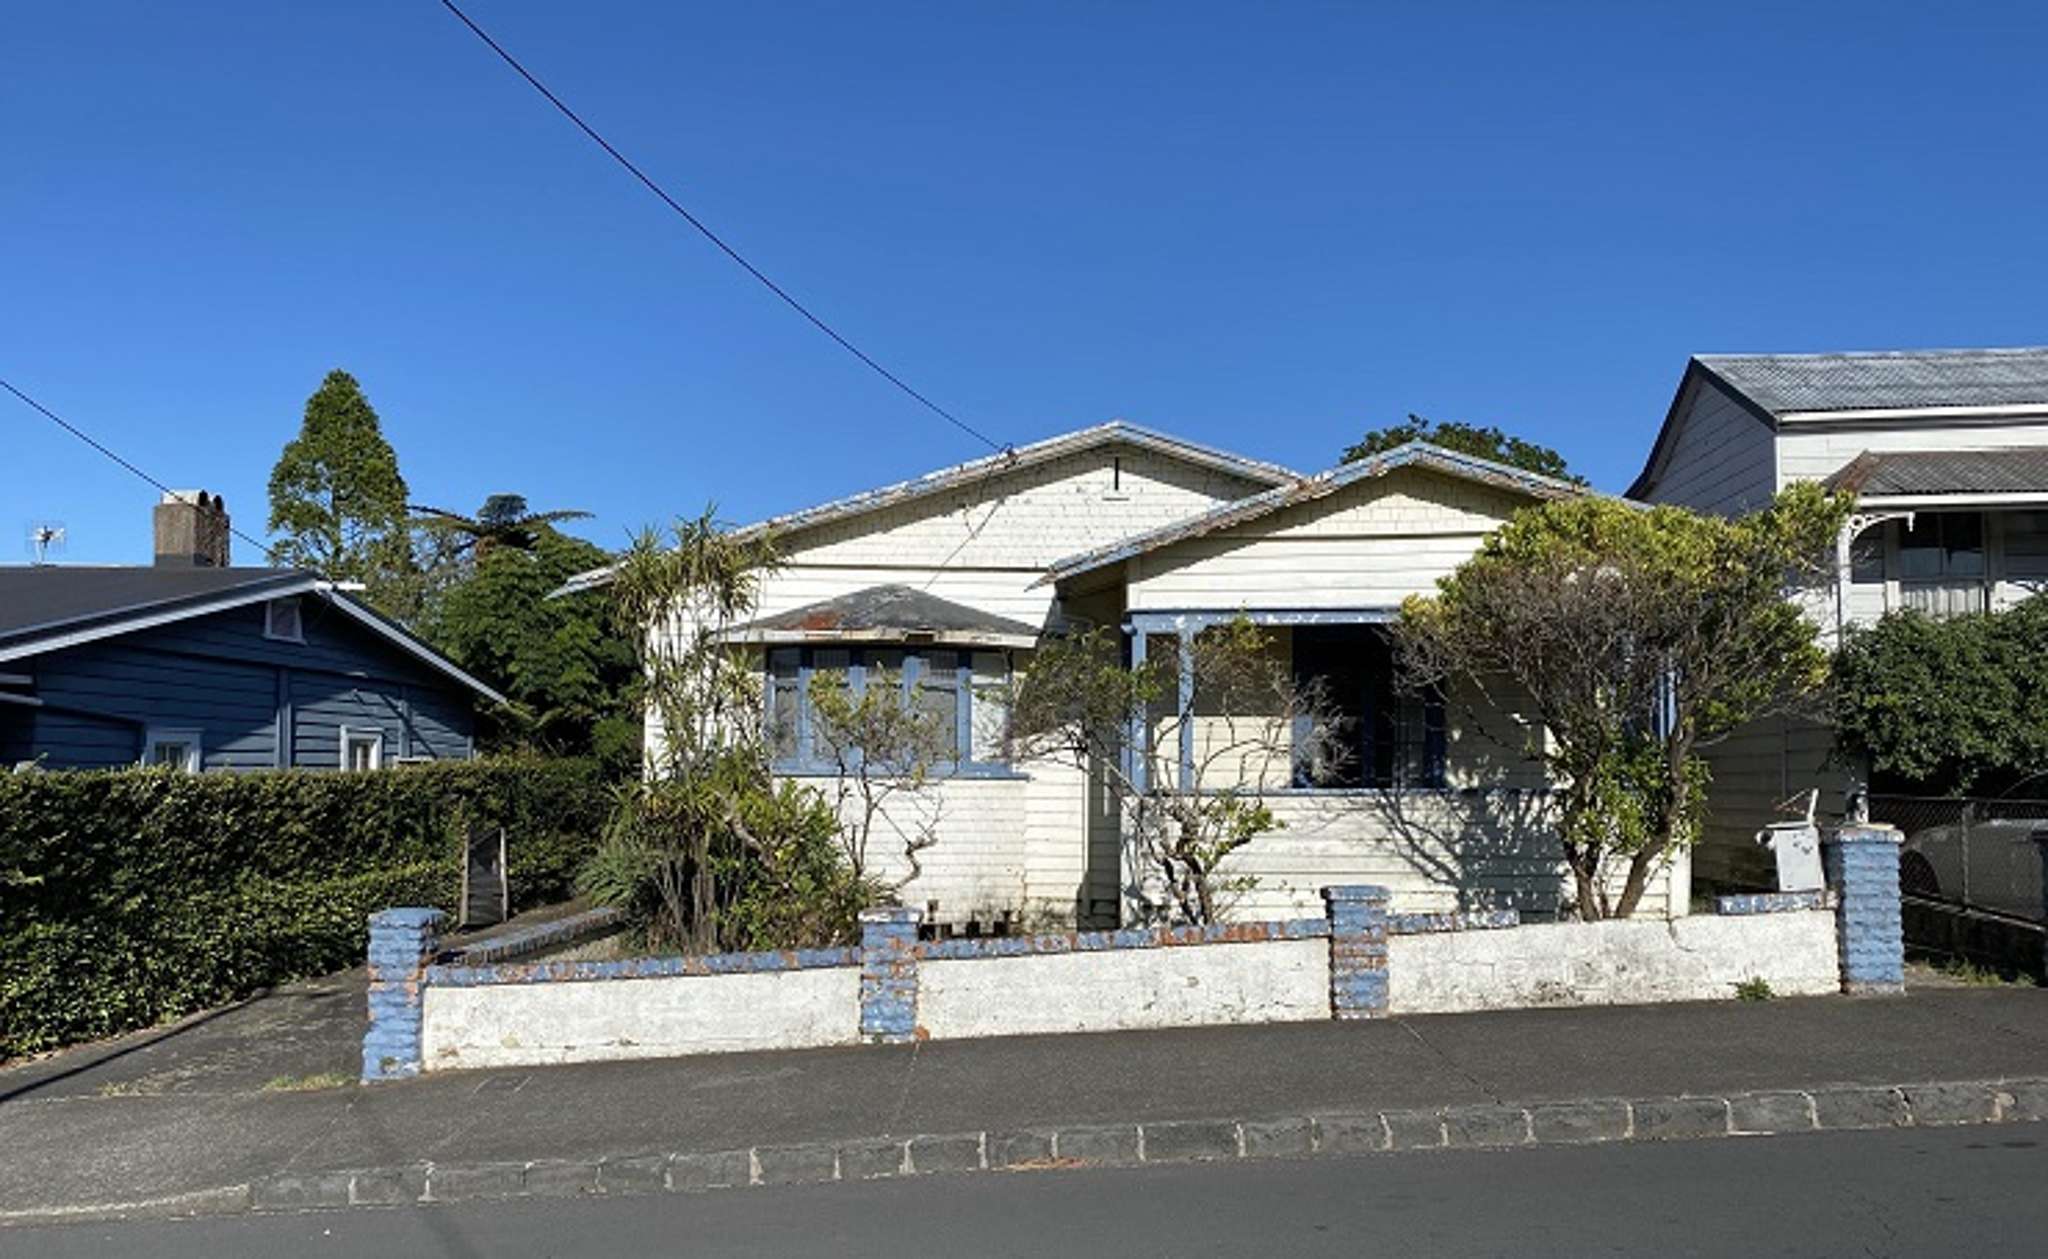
[254,1108]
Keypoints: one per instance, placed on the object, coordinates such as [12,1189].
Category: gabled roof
[1115,432]
[1862,384]
[1906,473]
[46,608]
[1785,384]
[1307,490]
[890,613]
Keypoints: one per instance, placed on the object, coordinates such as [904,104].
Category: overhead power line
[714,237]
[268,551]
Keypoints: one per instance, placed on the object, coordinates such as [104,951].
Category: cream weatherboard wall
[1370,544]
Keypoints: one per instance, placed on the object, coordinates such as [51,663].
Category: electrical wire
[269,552]
[714,237]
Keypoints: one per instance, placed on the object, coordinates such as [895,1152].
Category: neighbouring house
[954,578]
[1946,452]
[195,664]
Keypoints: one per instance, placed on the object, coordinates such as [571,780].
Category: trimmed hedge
[132,896]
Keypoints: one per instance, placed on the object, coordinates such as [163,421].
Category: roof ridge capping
[1310,488]
[953,475]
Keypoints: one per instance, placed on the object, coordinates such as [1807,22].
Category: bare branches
[1247,725]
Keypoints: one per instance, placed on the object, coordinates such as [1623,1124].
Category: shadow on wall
[1464,848]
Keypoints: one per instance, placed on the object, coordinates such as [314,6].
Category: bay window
[957,692]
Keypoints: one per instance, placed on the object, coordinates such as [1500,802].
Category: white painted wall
[1192,985]
[1612,963]
[1813,450]
[1434,851]
[1722,458]
[508,1025]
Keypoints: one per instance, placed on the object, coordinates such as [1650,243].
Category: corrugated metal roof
[884,613]
[1909,472]
[1307,490]
[1115,432]
[1886,380]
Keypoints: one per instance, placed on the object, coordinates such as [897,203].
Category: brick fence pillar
[1358,951]
[888,974]
[402,943]
[1863,869]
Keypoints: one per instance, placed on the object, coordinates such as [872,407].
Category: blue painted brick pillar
[1358,951]
[1863,868]
[401,944]
[888,974]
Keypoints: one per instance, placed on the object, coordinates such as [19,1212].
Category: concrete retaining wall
[1699,958]
[1357,961]
[1272,982]
[526,1024]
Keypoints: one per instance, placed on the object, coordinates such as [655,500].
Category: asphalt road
[1929,1192]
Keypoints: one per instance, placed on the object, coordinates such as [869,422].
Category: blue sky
[1268,227]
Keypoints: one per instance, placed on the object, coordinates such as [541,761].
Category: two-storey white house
[952,579]
[1947,454]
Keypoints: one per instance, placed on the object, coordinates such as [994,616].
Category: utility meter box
[1796,845]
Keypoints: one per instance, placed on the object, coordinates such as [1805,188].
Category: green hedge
[128,897]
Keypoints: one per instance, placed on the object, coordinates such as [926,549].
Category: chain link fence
[1984,854]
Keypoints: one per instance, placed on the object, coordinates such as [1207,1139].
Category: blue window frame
[940,682]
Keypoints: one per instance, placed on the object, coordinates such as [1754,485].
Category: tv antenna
[45,536]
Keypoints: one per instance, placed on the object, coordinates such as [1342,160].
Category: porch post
[1187,707]
[1130,868]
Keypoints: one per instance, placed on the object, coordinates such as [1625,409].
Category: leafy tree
[338,501]
[1635,637]
[1253,724]
[567,664]
[709,851]
[1468,439]
[503,521]
[1948,704]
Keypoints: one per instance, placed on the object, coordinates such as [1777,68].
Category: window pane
[782,703]
[988,708]
[1920,548]
[938,699]
[1962,536]
[1383,737]
[2026,545]
[1866,556]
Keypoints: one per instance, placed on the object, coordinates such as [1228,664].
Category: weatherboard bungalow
[955,577]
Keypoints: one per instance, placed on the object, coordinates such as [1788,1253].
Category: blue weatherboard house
[197,665]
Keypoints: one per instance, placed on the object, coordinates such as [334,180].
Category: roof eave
[940,638]
[943,479]
[1310,489]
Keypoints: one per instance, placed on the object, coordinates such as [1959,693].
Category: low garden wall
[1356,961]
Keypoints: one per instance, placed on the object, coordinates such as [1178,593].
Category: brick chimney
[191,530]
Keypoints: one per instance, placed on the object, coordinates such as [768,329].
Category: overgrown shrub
[132,896]
[1949,704]
[773,875]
